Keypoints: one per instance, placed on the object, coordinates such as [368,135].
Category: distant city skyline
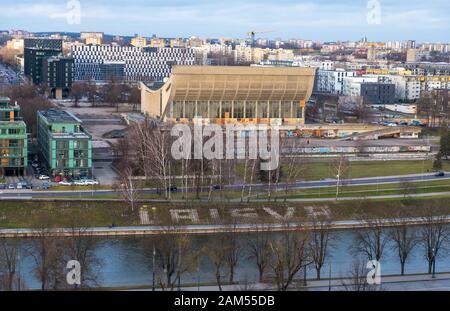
[322,20]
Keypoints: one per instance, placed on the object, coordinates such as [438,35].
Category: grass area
[372,190]
[84,214]
[360,169]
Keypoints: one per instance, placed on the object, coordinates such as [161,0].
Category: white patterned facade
[141,64]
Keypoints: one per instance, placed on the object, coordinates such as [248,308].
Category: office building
[36,50]
[141,64]
[95,38]
[64,145]
[58,75]
[13,139]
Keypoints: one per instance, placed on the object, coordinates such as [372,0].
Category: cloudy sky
[325,20]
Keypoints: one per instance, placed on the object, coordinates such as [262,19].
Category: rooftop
[59,116]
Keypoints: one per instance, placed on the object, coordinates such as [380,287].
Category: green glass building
[64,146]
[13,139]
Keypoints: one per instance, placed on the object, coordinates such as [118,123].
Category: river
[123,263]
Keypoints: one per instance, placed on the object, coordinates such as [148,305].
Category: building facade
[58,75]
[13,139]
[64,145]
[36,50]
[229,95]
[378,93]
[331,81]
[141,64]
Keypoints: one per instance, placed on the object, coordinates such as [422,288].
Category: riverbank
[209,229]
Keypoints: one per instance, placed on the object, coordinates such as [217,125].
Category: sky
[323,20]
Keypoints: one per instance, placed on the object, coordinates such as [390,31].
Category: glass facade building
[13,139]
[64,145]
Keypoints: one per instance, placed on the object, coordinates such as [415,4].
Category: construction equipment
[252,34]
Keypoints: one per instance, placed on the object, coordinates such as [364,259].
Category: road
[8,76]
[21,194]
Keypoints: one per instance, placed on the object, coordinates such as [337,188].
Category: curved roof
[231,83]
[216,83]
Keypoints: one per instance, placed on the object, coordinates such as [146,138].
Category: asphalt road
[6,194]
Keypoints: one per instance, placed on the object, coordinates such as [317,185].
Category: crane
[252,34]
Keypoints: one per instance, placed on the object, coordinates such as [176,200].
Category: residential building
[13,139]
[378,93]
[416,55]
[141,64]
[65,147]
[231,95]
[331,81]
[92,37]
[139,42]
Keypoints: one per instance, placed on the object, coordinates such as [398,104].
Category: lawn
[360,169]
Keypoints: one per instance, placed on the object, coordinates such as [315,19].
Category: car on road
[65,183]
[80,183]
[43,177]
[172,188]
[90,182]
[216,187]
[439,174]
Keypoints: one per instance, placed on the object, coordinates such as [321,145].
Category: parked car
[3,186]
[65,183]
[43,177]
[11,186]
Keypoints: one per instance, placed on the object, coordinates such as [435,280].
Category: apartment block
[13,139]
[64,145]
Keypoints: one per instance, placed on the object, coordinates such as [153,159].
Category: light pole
[329,279]
[433,275]
[153,267]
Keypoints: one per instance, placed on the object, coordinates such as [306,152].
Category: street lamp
[434,263]
[153,267]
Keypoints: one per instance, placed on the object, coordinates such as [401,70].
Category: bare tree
[340,168]
[371,240]
[173,256]
[289,254]
[129,188]
[433,235]
[10,278]
[357,282]
[320,242]
[258,248]
[404,240]
[217,255]
[233,251]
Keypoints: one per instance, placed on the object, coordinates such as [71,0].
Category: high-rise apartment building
[36,50]
[57,75]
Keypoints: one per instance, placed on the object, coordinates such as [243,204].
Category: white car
[90,182]
[43,177]
[65,183]
[80,183]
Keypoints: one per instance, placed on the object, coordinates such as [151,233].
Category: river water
[123,263]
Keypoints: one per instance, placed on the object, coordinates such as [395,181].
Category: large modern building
[222,95]
[64,145]
[36,50]
[58,75]
[13,139]
[141,64]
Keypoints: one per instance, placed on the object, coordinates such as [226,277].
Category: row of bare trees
[50,254]
[113,93]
